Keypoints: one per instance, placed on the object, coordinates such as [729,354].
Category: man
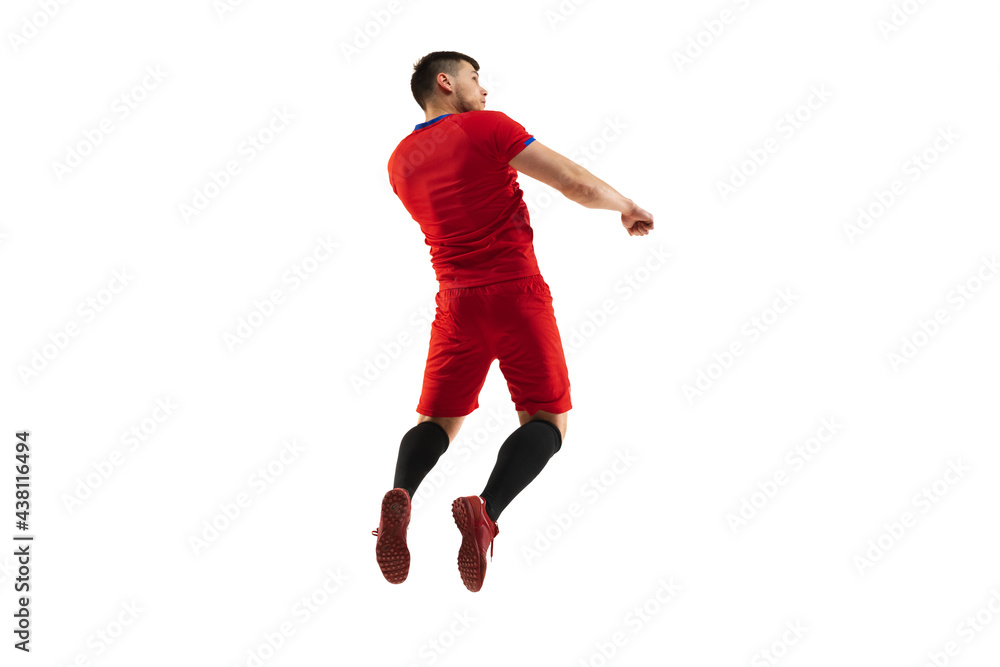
[455,175]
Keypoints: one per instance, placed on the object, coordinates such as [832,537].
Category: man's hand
[637,221]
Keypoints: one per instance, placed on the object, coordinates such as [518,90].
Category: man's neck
[434,113]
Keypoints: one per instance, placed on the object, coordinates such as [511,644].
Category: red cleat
[478,530]
[391,551]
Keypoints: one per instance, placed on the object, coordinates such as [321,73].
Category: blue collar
[431,121]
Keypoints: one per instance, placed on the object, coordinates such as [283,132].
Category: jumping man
[455,175]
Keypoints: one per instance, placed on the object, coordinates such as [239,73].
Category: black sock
[521,457]
[420,449]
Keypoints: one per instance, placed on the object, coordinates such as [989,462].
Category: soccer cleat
[478,530]
[391,551]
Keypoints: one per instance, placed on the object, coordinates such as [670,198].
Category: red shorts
[512,321]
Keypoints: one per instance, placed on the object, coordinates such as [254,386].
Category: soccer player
[455,175]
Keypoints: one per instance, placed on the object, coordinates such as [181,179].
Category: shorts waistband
[522,285]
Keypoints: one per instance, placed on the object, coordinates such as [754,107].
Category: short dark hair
[423,83]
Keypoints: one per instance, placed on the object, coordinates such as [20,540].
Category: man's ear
[445,83]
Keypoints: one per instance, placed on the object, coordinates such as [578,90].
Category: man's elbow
[579,192]
[575,186]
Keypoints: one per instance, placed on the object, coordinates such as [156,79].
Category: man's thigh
[532,359]
[458,360]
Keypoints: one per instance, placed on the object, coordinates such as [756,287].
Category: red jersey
[451,174]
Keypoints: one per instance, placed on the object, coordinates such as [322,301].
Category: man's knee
[558,420]
[556,431]
[451,425]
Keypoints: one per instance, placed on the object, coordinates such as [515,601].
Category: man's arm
[579,185]
[573,181]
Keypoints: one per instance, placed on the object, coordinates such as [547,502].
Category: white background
[554,594]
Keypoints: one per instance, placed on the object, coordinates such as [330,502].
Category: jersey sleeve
[509,137]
